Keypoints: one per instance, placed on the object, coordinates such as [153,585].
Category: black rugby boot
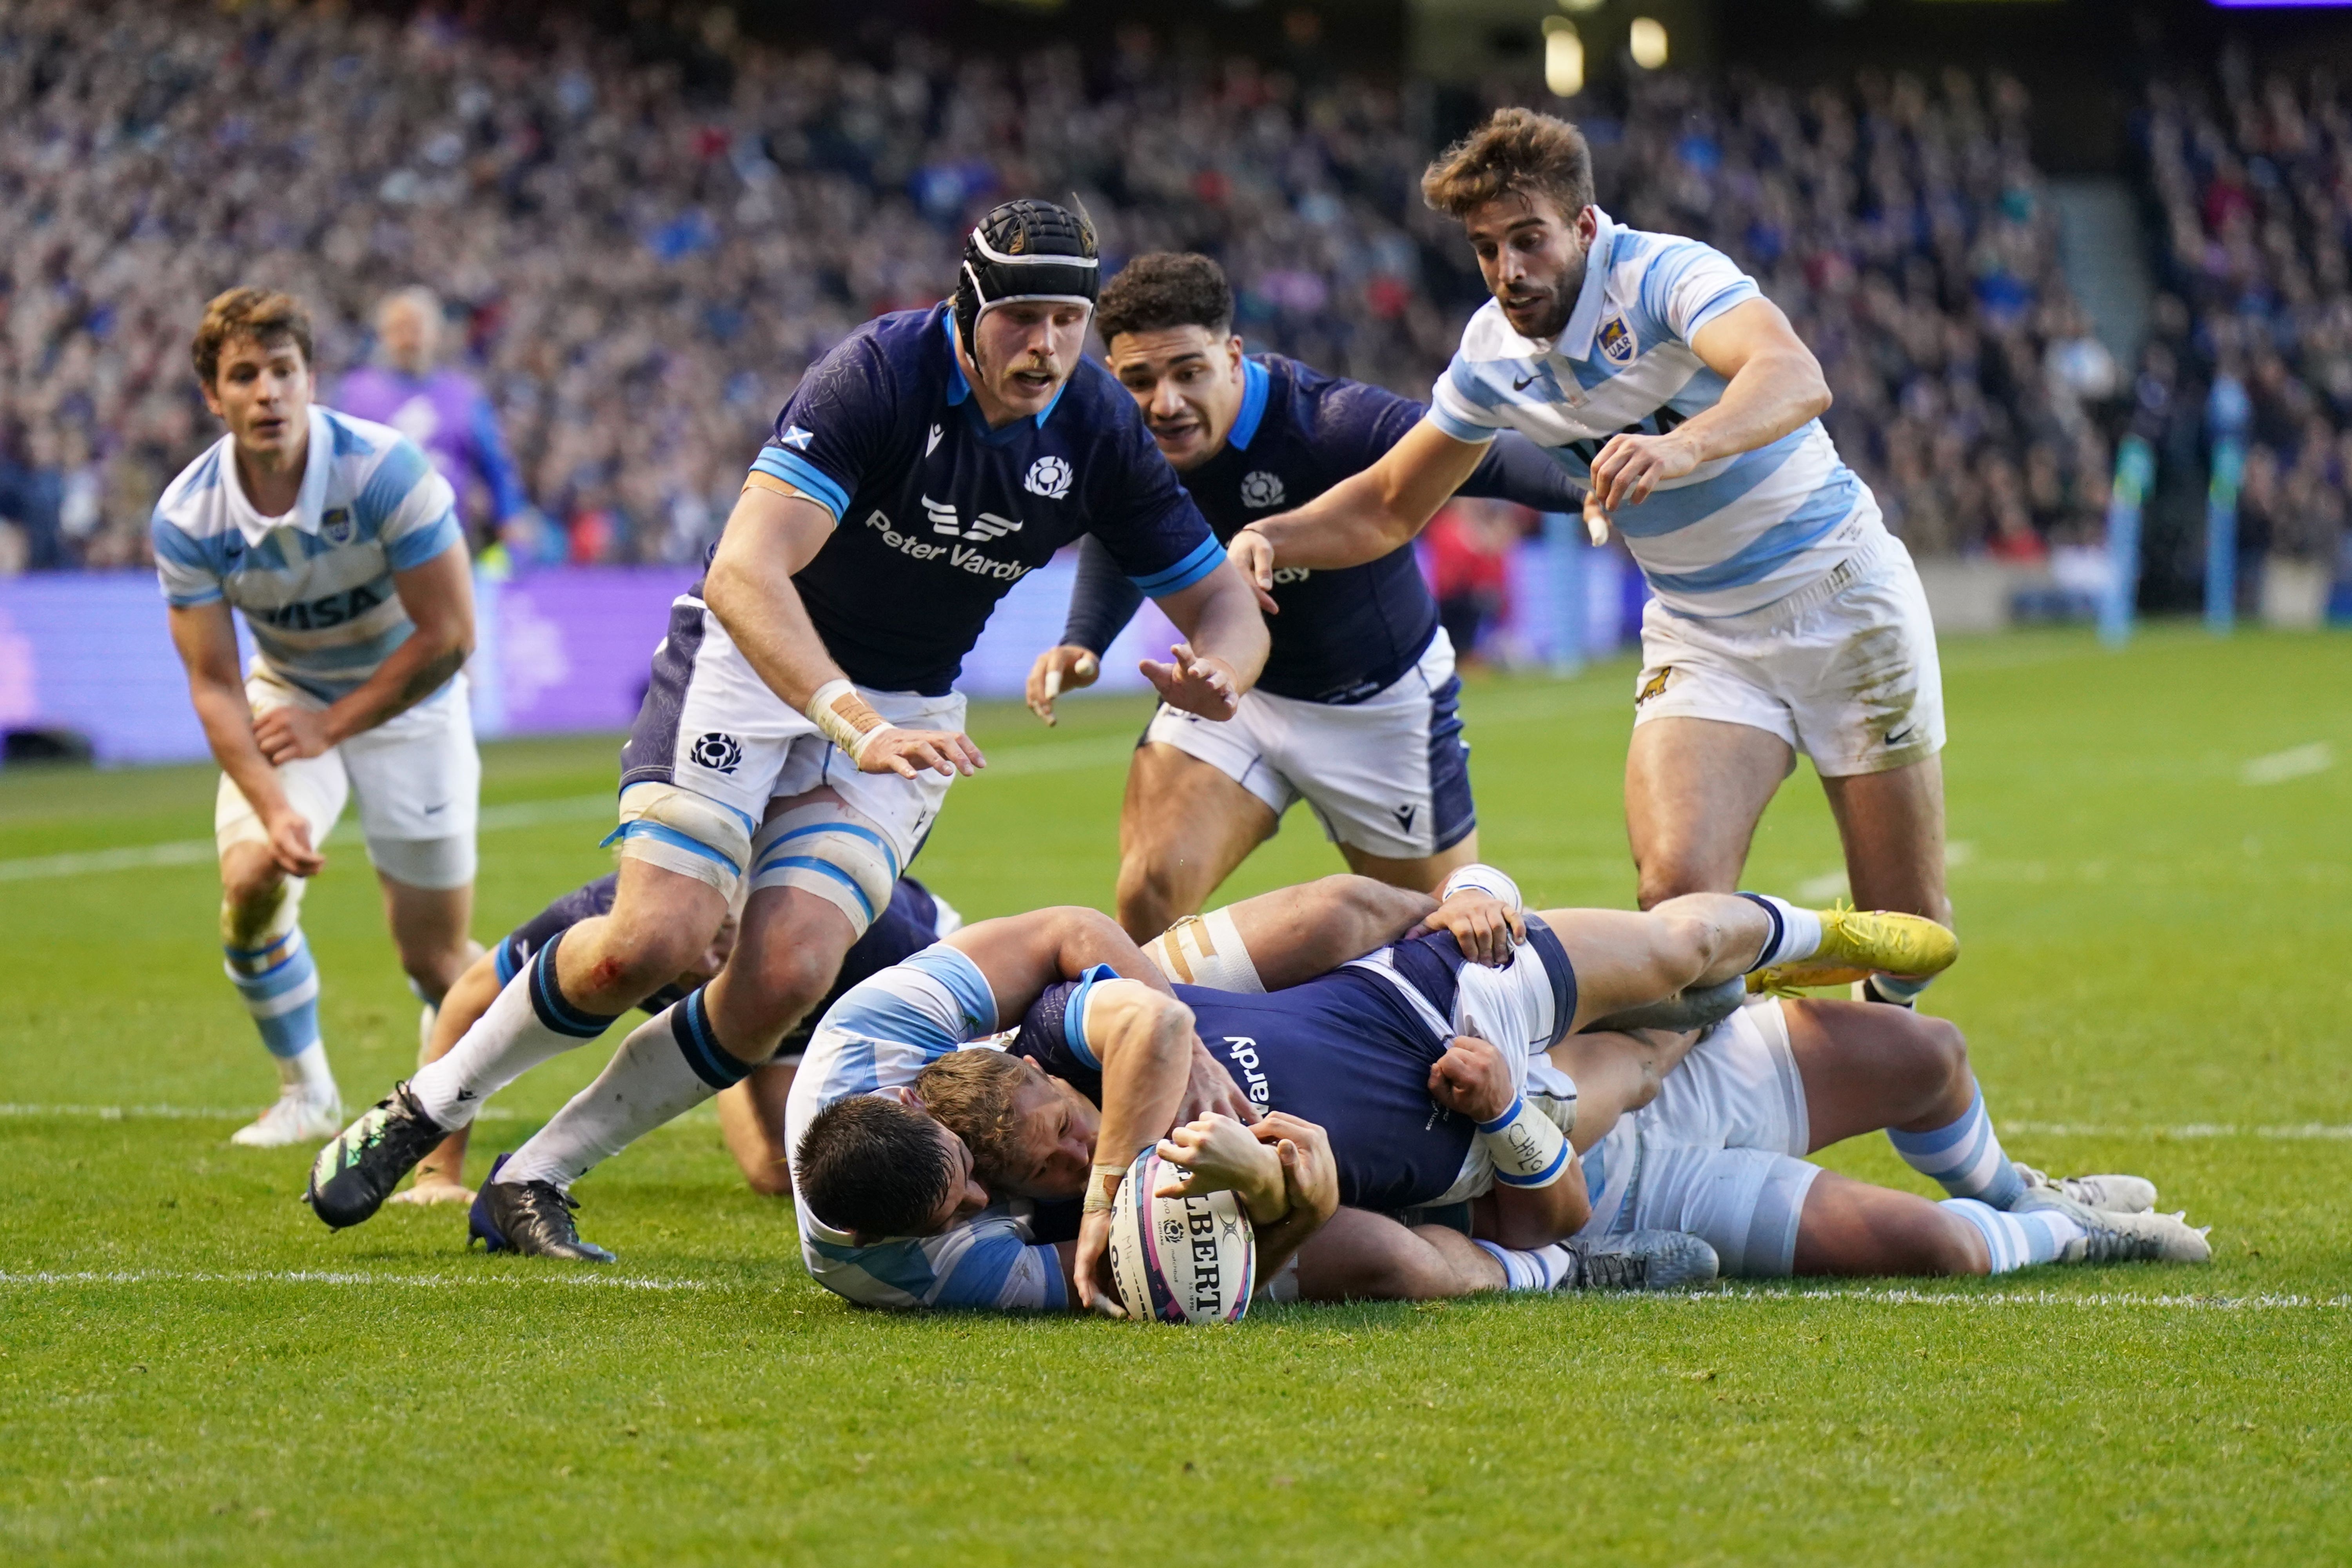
[360,1165]
[531,1217]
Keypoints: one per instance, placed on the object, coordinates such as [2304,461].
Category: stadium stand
[640,258]
[2252,177]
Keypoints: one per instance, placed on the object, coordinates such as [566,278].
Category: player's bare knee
[1371,910]
[1951,1246]
[1149,896]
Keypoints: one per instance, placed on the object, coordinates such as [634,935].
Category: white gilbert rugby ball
[1179,1260]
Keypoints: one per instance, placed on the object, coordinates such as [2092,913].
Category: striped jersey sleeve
[413,510]
[1688,285]
[1461,404]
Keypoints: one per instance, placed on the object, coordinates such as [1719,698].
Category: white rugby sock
[2015,1241]
[308,1071]
[668,1065]
[1538,1271]
[1796,933]
[529,1022]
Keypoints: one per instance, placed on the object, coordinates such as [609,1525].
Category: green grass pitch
[2156,980]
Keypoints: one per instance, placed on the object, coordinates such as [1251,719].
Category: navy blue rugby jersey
[1344,1051]
[1343,635]
[940,515]
[909,925]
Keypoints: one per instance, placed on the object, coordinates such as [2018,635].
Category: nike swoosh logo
[431,810]
[1523,386]
[1898,737]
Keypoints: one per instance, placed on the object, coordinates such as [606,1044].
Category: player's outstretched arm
[205,639]
[1363,518]
[773,532]
[1224,645]
[439,596]
[1774,386]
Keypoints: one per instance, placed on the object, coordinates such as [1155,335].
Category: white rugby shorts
[1389,775]
[418,777]
[710,726]
[1719,1154]
[1845,671]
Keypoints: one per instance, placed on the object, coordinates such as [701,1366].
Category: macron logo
[797,438]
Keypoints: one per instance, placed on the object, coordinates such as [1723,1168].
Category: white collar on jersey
[309,502]
[1575,340]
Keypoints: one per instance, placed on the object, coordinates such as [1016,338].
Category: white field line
[1895,1296]
[1877,1296]
[2281,766]
[2291,1132]
[1016,762]
[200,851]
[2295,1132]
[37,1278]
[185,1112]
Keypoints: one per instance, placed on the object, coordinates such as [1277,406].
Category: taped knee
[832,851]
[685,833]
[260,922]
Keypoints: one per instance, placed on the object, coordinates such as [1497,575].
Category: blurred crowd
[2252,177]
[636,257]
[635,249]
[1904,229]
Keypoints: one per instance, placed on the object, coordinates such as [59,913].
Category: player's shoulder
[193,501]
[372,467]
[898,345]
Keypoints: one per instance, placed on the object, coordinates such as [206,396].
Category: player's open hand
[1195,683]
[287,733]
[1484,927]
[891,750]
[1210,1090]
[1058,669]
[1251,555]
[291,846]
[1472,1078]
[1631,466]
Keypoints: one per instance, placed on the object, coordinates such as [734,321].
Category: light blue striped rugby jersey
[315,586]
[1733,535]
[879,1035]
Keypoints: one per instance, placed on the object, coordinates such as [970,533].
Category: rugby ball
[1179,1260]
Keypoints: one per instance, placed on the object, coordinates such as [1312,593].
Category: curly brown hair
[970,1093]
[1518,153]
[1166,289]
[265,315]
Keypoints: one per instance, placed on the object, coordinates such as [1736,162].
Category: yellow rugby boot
[1856,943]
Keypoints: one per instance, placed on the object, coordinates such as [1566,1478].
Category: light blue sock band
[1963,1157]
[2013,1241]
[280,984]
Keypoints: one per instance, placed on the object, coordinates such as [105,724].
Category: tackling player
[1786,616]
[1367,1049]
[1356,711]
[802,726]
[751,1114]
[339,543]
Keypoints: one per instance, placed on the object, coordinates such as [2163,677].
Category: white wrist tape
[1486,879]
[1526,1146]
[837,711]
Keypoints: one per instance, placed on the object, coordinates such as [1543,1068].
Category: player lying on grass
[1365,1049]
[751,1114]
[1717,1154]
[1705,1143]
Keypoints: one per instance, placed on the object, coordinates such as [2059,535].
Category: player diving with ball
[1314,1000]
[802,726]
